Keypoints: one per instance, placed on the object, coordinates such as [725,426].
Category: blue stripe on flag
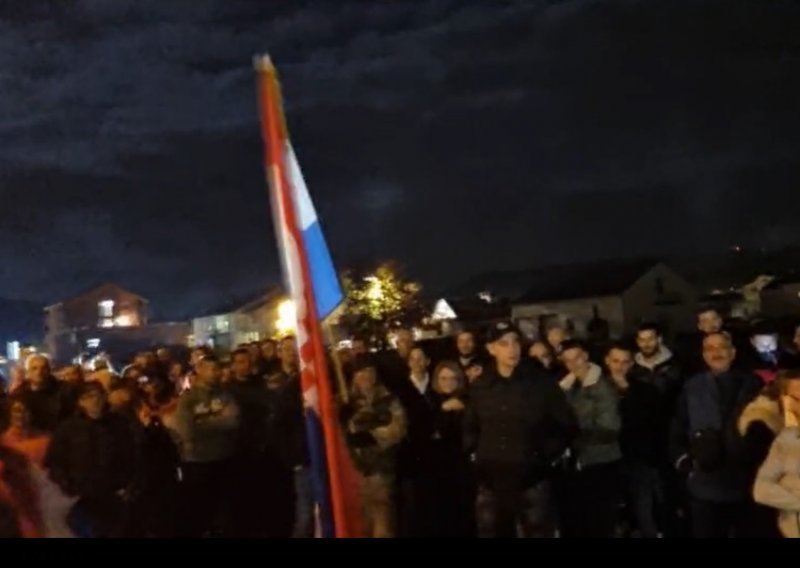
[327,291]
[319,473]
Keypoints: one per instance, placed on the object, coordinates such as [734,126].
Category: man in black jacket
[250,505]
[91,457]
[641,439]
[44,396]
[416,451]
[517,427]
[655,365]
[287,435]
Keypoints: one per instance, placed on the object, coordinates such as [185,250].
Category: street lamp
[286,324]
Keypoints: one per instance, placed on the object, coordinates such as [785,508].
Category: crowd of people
[502,437]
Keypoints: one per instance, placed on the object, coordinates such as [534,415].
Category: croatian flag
[314,286]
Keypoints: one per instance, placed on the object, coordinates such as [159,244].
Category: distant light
[443,311]
[123,320]
[375,290]
[106,308]
[93,343]
[13,350]
[286,323]
[486,297]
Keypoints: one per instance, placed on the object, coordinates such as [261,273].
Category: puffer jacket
[595,404]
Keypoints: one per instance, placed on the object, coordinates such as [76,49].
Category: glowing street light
[286,324]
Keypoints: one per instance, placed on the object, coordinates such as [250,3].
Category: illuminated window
[221,324]
[13,350]
[106,309]
[123,320]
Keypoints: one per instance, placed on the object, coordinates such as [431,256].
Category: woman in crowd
[777,483]
[450,467]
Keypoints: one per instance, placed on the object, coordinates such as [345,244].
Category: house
[612,295]
[781,297]
[244,320]
[106,318]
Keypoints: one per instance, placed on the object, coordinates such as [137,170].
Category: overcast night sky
[457,137]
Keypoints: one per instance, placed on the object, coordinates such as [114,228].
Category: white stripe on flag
[306,213]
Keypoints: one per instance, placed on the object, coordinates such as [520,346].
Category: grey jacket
[778,481]
[595,404]
[207,423]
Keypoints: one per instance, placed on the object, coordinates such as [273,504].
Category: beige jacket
[778,481]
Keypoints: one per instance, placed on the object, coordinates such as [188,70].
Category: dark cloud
[492,133]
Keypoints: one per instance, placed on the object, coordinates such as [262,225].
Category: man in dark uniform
[517,427]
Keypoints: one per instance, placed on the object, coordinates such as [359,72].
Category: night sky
[457,137]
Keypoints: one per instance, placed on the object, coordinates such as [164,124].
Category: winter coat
[417,449]
[759,423]
[594,402]
[516,427]
[251,396]
[285,427]
[705,439]
[48,406]
[642,437]
[91,458]
[452,473]
[207,423]
[157,458]
[777,484]
[378,422]
[663,373]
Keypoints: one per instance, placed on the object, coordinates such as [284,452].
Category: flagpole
[297,270]
[337,363]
